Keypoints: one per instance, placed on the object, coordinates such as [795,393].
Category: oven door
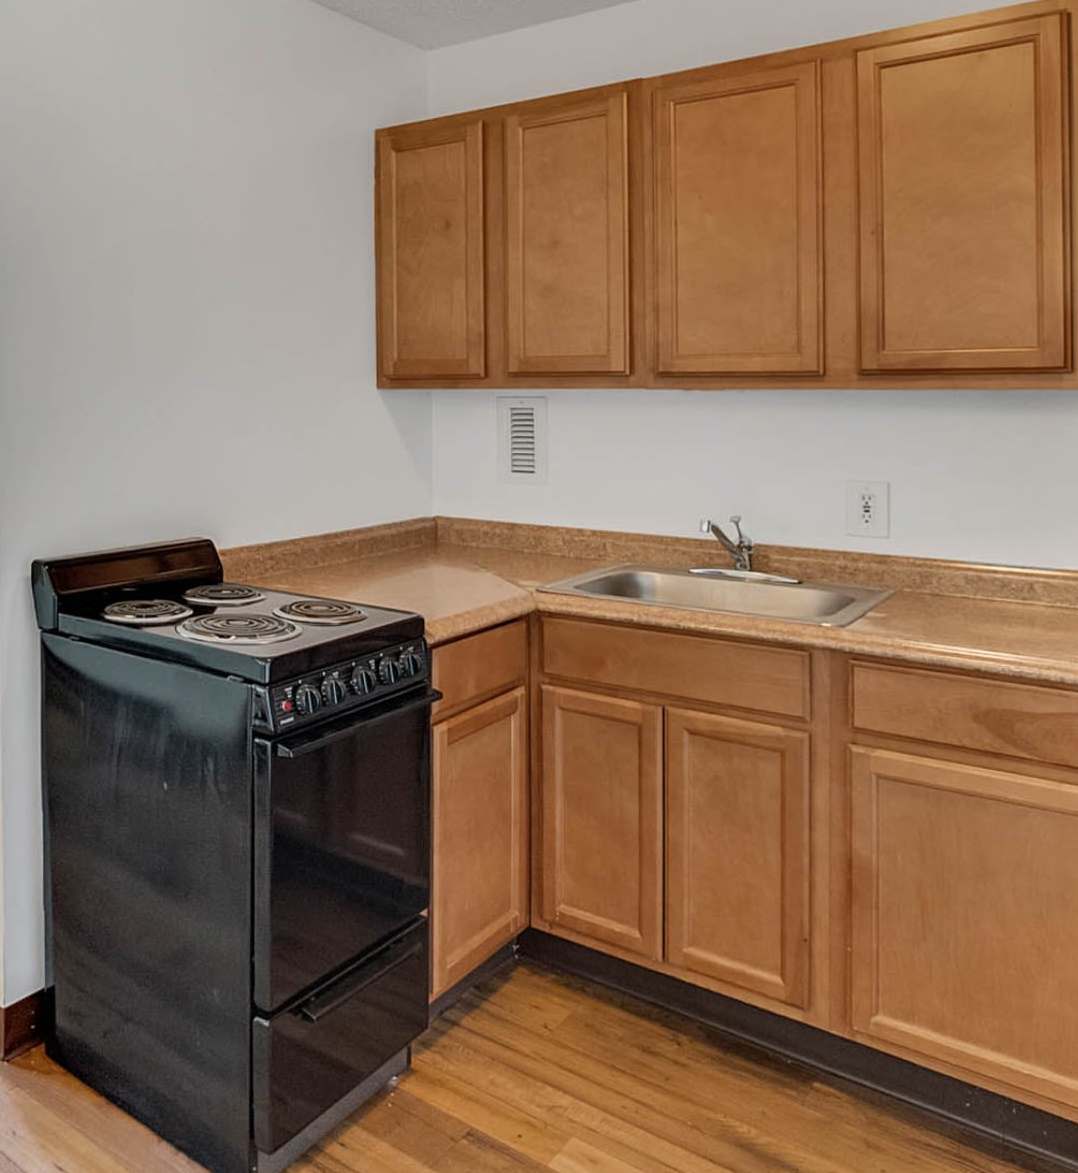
[341,842]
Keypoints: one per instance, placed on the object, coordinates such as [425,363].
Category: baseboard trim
[992,1117]
[25,1023]
[506,955]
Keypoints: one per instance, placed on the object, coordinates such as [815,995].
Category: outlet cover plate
[868,509]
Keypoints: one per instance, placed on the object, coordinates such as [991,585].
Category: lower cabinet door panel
[602,818]
[480,897]
[737,852]
[965,917]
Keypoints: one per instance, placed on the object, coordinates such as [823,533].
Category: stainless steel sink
[824,604]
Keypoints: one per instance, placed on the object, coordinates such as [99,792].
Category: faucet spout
[740,551]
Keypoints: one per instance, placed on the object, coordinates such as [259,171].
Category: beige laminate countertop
[464,589]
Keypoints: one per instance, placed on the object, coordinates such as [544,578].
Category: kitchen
[213,325]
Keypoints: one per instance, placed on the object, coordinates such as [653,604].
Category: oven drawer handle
[301,746]
[322,1005]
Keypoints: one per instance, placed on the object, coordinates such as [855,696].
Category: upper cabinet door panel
[430,259]
[567,221]
[738,223]
[963,177]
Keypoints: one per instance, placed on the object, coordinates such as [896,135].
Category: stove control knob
[364,681]
[388,671]
[411,664]
[308,700]
[334,690]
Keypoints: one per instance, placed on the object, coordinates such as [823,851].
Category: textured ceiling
[433,23]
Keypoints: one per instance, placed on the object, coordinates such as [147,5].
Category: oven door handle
[321,1005]
[299,746]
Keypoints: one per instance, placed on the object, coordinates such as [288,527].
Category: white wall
[973,475]
[186,310]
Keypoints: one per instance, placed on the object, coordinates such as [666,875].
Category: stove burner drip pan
[223,594]
[146,612]
[238,629]
[320,611]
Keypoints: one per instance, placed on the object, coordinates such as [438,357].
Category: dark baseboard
[992,1117]
[506,955]
[25,1023]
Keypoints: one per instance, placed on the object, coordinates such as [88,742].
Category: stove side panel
[147,784]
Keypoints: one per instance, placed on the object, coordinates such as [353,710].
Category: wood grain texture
[965,917]
[602,818]
[991,716]
[535,1071]
[737,223]
[722,672]
[478,666]
[737,852]
[480,840]
[567,221]
[963,184]
[841,359]
[430,231]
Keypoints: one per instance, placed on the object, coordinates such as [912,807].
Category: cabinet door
[430,251]
[738,223]
[602,818]
[965,917]
[962,184]
[567,220]
[480,836]
[737,852]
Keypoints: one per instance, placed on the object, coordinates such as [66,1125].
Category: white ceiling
[430,24]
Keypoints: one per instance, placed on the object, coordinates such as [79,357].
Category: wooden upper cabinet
[965,917]
[737,852]
[567,264]
[430,251]
[963,183]
[601,816]
[738,208]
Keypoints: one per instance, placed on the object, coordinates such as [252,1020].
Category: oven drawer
[306,1058]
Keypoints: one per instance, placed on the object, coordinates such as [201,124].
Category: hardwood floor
[538,1071]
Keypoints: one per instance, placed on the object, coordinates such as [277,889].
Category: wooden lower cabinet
[480,820]
[601,853]
[737,852]
[965,918]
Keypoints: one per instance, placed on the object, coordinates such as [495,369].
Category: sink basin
[824,604]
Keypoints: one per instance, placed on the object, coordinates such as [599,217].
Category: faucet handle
[741,539]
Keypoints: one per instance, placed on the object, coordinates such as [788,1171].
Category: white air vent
[522,439]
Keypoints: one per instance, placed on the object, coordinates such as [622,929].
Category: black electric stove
[237,814]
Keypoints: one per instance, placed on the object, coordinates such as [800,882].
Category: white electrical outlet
[868,509]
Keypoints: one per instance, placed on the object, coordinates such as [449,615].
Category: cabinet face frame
[807,357]
[452,960]
[614,359]
[867,768]
[390,144]
[645,936]
[1047,34]
[789,983]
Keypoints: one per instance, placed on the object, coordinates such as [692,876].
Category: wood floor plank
[536,1071]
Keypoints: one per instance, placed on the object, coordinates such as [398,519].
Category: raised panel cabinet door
[480,833]
[602,818]
[963,178]
[965,917]
[430,252]
[567,219]
[737,852]
[738,207]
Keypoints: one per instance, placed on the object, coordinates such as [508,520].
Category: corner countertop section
[461,589]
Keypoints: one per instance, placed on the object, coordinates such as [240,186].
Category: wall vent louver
[522,439]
